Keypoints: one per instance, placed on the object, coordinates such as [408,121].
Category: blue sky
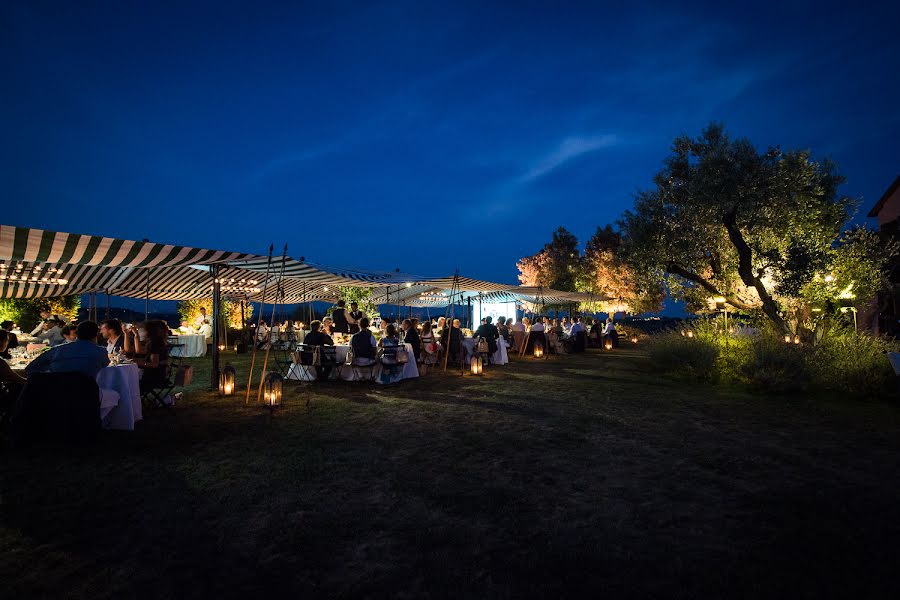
[420,136]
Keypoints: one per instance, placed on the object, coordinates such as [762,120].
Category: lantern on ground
[476,365]
[690,333]
[226,381]
[221,347]
[797,339]
[787,338]
[272,390]
[538,351]
[683,334]
[634,339]
[608,345]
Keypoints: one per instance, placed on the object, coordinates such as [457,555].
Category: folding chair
[155,397]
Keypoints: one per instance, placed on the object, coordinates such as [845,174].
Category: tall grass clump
[853,361]
[694,358]
[774,366]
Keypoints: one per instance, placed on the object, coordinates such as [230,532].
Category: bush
[853,361]
[774,366]
[691,358]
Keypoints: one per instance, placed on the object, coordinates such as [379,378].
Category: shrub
[774,366]
[853,361]
[691,358]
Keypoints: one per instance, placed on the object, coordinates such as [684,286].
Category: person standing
[339,318]
[355,317]
[111,330]
[411,337]
[198,322]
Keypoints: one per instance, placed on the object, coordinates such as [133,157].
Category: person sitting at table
[46,315]
[317,337]
[151,353]
[69,333]
[355,316]
[610,332]
[12,340]
[363,344]
[262,336]
[451,339]
[411,337]
[52,332]
[537,336]
[13,381]
[111,330]
[339,318]
[438,329]
[81,356]
[490,333]
[391,372]
[518,331]
[198,321]
[327,326]
[184,328]
[430,351]
[578,335]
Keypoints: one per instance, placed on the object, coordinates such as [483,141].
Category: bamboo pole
[271,320]
[262,303]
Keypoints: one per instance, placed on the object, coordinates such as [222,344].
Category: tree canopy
[725,219]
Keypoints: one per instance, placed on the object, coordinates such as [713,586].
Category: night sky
[353,132]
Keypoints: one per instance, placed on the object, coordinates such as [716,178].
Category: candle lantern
[634,339]
[538,351]
[797,339]
[226,381]
[787,338]
[690,333]
[476,365]
[221,347]
[272,390]
[608,345]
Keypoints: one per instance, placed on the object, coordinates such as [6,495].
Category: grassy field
[576,476]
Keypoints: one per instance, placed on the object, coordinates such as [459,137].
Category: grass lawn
[576,476]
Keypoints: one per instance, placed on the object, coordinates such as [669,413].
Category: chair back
[58,407]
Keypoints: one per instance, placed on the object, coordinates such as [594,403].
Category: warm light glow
[634,339]
[538,351]
[476,365]
[787,338]
[796,339]
[272,390]
[221,347]
[226,381]
[408,284]
[829,278]
[690,333]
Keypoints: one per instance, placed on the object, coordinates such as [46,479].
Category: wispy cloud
[570,148]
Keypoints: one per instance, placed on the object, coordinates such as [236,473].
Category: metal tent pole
[216,301]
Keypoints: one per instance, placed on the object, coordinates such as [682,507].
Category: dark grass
[583,476]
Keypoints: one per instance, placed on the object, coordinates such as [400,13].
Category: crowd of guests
[86,348]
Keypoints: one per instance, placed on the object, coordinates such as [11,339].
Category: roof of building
[884,198]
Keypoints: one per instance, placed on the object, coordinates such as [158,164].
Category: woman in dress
[430,350]
[150,349]
[391,369]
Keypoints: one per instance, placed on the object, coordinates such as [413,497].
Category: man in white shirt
[46,315]
[206,331]
[576,326]
[52,332]
[202,317]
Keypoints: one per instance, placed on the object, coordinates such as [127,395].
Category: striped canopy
[35,263]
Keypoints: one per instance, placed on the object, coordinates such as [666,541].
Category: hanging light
[476,365]
[226,381]
[272,390]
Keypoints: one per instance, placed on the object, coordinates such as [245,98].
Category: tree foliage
[555,266]
[27,313]
[229,309]
[725,219]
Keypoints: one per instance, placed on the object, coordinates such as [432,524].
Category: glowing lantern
[476,365]
[226,381]
[608,344]
[272,390]
[683,334]
[221,347]
[538,351]
[796,339]
[787,338]
[634,339]
[690,333]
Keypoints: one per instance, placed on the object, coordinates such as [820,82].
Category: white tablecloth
[500,356]
[347,373]
[124,379]
[194,345]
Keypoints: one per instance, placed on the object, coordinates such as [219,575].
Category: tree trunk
[745,270]
[677,269]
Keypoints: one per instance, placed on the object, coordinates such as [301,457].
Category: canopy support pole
[147,298]
[216,301]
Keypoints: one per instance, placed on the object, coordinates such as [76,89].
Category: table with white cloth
[346,372]
[125,380]
[191,346]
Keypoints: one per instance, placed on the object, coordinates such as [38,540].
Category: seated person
[12,381]
[46,315]
[453,337]
[111,330]
[69,333]
[81,356]
[429,353]
[207,333]
[317,337]
[363,344]
[185,328]
[411,337]
[150,347]
[262,336]
[327,326]
[51,331]
[503,328]
[12,342]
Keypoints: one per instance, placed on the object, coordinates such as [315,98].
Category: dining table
[189,345]
[124,379]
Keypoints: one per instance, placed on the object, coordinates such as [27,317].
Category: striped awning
[35,263]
